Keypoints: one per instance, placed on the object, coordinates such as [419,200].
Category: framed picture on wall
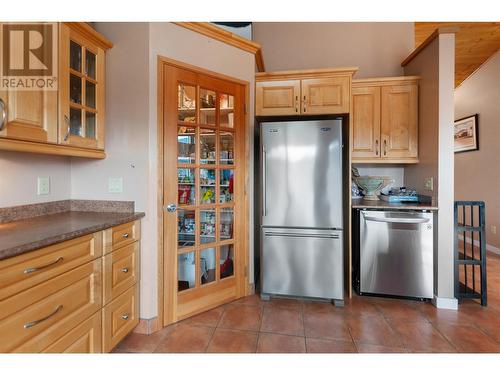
[465,134]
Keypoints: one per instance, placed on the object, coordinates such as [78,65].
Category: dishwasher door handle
[397,220]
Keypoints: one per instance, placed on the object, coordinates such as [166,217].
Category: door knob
[171,207]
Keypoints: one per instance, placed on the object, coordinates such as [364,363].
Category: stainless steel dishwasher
[396,253]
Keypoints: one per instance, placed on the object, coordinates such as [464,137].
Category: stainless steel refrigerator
[302,218]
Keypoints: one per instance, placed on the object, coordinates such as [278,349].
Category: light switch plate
[115,185]
[43,186]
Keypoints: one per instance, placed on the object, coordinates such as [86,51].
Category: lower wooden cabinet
[120,317]
[84,338]
[75,300]
[34,318]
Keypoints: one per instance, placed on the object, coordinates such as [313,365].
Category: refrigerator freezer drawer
[302,263]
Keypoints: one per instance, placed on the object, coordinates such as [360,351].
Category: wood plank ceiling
[475,43]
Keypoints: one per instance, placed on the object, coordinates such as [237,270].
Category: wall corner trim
[425,43]
[445,303]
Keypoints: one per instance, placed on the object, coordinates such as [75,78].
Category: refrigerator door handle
[264,172]
[306,235]
[396,220]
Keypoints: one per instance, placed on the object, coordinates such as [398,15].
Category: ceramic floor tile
[421,337]
[273,343]
[314,345]
[139,343]
[231,341]
[323,307]
[253,300]
[326,325]
[358,305]
[184,338]
[240,316]
[283,321]
[400,310]
[373,330]
[210,318]
[468,339]
[369,348]
[285,303]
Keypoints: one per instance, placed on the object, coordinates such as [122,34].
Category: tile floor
[363,325]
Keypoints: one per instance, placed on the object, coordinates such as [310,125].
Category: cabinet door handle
[35,322]
[296,103]
[124,270]
[376,147]
[35,269]
[385,147]
[3,116]
[125,316]
[66,120]
[305,101]
[125,235]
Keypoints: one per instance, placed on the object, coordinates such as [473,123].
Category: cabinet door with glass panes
[81,90]
[210,178]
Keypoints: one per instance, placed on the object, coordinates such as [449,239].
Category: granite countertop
[380,204]
[22,236]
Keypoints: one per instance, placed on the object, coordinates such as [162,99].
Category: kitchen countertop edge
[55,239]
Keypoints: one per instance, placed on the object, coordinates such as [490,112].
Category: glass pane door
[83,121]
[206,167]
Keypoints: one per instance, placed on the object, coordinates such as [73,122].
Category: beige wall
[477,174]
[377,48]
[131,122]
[435,64]
[127,141]
[18,178]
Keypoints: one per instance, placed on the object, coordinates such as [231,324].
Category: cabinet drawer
[24,271]
[121,271]
[85,338]
[120,317]
[32,320]
[121,235]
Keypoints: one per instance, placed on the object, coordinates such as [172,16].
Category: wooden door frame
[161,62]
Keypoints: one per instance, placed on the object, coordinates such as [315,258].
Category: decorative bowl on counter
[372,185]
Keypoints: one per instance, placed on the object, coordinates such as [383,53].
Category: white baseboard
[445,303]
[491,248]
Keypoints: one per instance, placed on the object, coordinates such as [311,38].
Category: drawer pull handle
[35,322]
[125,316]
[124,270]
[125,235]
[34,269]
[3,117]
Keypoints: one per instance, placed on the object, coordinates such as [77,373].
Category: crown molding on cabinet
[303,74]
[214,32]
[91,34]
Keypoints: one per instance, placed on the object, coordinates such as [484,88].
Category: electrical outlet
[429,183]
[115,185]
[494,229]
[43,186]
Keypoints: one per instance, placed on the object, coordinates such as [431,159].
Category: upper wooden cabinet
[69,121]
[274,98]
[307,92]
[82,90]
[385,120]
[29,115]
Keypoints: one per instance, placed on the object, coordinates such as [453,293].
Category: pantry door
[204,202]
